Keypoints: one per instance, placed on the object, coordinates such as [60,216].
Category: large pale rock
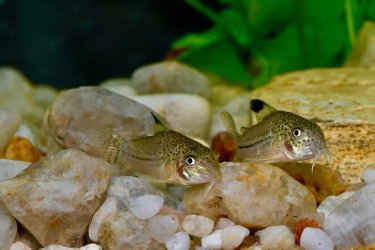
[187,114]
[352,222]
[8,228]
[76,113]
[120,86]
[16,93]
[170,77]
[9,123]
[343,102]
[56,198]
[253,195]
[363,53]
[124,231]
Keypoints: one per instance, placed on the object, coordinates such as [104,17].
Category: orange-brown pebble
[21,149]
[300,226]
[224,145]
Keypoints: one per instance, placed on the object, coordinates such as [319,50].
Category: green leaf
[270,16]
[194,41]
[235,25]
[370,9]
[221,58]
[321,11]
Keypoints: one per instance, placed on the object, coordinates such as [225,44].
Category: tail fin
[105,142]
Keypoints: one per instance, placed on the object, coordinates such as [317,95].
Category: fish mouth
[296,154]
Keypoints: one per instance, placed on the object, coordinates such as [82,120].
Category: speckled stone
[343,103]
[56,198]
[254,196]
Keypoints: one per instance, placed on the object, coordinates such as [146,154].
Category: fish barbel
[279,136]
[165,157]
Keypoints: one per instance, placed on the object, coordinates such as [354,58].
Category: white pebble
[179,241]
[213,241]
[146,206]
[369,175]
[197,225]
[223,223]
[276,237]
[162,227]
[91,247]
[19,246]
[108,207]
[233,236]
[315,239]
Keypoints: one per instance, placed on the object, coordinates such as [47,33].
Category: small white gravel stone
[19,246]
[331,202]
[108,207]
[369,175]
[315,239]
[162,227]
[91,247]
[276,237]
[223,223]
[146,206]
[232,236]
[197,225]
[179,241]
[213,241]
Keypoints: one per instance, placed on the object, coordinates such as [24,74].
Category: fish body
[165,157]
[279,136]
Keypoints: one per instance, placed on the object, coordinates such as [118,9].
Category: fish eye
[297,133]
[190,160]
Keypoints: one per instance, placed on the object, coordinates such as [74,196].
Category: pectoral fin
[261,109]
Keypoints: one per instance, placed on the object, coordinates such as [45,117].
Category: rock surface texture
[56,198]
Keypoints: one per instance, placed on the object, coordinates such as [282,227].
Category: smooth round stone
[368,175]
[11,168]
[213,241]
[197,225]
[233,236]
[108,207]
[276,237]
[181,111]
[179,241]
[146,206]
[331,202]
[315,239]
[162,227]
[170,77]
[223,223]
[9,123]
[120,86]
[19,246]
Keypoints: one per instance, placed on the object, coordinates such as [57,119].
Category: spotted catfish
[279,136]
[165,157]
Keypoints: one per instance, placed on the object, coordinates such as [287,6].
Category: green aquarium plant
[252,40]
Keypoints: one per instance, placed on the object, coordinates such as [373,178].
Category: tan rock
[56,198]
[123,230]
[343,102]
[8,228]
[253,195]
[170,77]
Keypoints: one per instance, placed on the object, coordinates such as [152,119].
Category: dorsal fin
[158,125]
[261,109]
[228,123]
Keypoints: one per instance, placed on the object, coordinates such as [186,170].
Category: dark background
[83,42]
